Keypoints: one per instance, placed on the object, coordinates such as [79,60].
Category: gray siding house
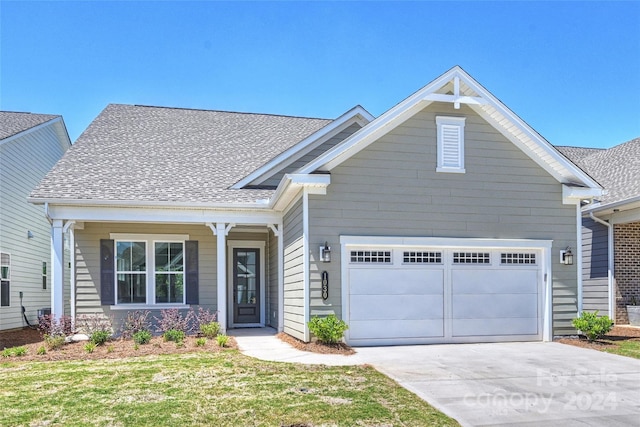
[445,219]
[611,229]
[30,144]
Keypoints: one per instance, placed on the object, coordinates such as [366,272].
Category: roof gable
[458,87]
[14,123]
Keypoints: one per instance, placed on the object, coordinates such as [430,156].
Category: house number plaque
[325,285]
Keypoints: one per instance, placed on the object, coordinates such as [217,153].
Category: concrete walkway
[521,384]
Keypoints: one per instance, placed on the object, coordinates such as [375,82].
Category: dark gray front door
[246,286]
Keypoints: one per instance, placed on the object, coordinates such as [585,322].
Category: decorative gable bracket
[456,99]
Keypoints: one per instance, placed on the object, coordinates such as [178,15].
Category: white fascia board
[291,184]
[574,195]
[34,129]
[356,115]
[449,242]
[162,215]
[608,208]
[259,204]
[63,134]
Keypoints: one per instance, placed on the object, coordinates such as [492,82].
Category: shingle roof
[617,169]
[156,154]
[12,123]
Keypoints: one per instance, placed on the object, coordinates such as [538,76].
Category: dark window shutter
[191,279]
[107,272]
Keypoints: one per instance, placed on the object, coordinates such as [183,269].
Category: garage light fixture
[566,257]
[325,252]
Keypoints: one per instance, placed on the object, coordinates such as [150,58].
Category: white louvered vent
[450,144]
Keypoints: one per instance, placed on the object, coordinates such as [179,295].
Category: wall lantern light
[325,253]
[566,257]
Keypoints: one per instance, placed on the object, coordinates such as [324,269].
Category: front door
[246,285]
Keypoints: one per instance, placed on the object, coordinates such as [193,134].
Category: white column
[222,275]
[280,278]
[57,269]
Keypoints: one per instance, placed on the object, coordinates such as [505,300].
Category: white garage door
[404,295]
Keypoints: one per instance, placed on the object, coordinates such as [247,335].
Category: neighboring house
[611,272]
[30,144]
[444,218]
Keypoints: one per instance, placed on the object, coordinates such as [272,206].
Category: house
[611,228]
[30,144]
[445,219]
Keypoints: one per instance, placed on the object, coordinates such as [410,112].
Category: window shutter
[451,142]
[107,272]
[191,270]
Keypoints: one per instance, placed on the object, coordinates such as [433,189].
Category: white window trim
[458,122]
[150,241]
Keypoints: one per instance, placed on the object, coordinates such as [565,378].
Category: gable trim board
[60,128]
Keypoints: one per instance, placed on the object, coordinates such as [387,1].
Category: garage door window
[416,257]
[371,257]
[517,258]
[471,258]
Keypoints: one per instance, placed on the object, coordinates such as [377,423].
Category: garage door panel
[396,329]
[494,281]
[396,307]
[488,327]
[500,306]
[377,281]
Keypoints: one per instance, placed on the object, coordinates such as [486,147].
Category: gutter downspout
[610,263]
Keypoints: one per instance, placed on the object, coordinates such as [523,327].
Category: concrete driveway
[524,384]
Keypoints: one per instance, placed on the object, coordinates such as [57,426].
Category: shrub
[49,325]
[328,330]
[90,347]
[136,347]
[41,351]
[100,337]
[592,326]
[172,320]
[136,321]
[14,351]
[110,349]
[200,342]
[92,323]
[142,337]
[210,330]
[222,340]
[174,335]
[202,317]
[54,342]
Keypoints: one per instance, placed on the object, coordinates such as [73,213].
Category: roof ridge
[224,111]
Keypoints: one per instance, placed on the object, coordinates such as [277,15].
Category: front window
[169,272]
[131,268]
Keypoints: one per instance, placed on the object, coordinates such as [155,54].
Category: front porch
[232,268]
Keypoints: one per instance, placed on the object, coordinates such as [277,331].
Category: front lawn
[224,388]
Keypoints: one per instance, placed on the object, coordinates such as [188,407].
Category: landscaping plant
[142,337]
[135,321]
[172,320]
[592,326]
[174,335]
[329,330]
[14,351]
[210,330]
[222,340]
[100,337]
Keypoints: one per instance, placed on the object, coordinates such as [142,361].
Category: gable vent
[450,144]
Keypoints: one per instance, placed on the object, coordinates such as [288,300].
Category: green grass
[625,348]
[221,389]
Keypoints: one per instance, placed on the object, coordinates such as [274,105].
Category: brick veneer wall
[626,238]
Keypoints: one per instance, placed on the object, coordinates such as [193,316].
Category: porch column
[57,268]
[280,278]
[222,275]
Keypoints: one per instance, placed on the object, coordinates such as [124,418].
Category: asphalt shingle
[156,154]
[12,123]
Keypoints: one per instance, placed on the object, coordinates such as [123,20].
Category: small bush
[210,330]
[202,317]
[142,337]
[41,351]
[110,349]
[592,326]
[200,342]
[14,351]
[136,321]
[328,330]
[49,325]
[94,323]
[172,319]
[174,335]
[54,342]
[100,337]
[222,340]
[136,347]
[90,347]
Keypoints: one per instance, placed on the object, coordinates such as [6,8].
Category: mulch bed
[316,347]
[618,333]
[114,349]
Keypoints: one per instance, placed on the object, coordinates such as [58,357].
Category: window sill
[450,170]
[147,306]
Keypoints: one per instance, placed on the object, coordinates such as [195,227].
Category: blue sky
[569,69]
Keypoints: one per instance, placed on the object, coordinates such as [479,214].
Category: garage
[412,290]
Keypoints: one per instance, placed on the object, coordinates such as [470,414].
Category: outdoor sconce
[325,253]
[566,257]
